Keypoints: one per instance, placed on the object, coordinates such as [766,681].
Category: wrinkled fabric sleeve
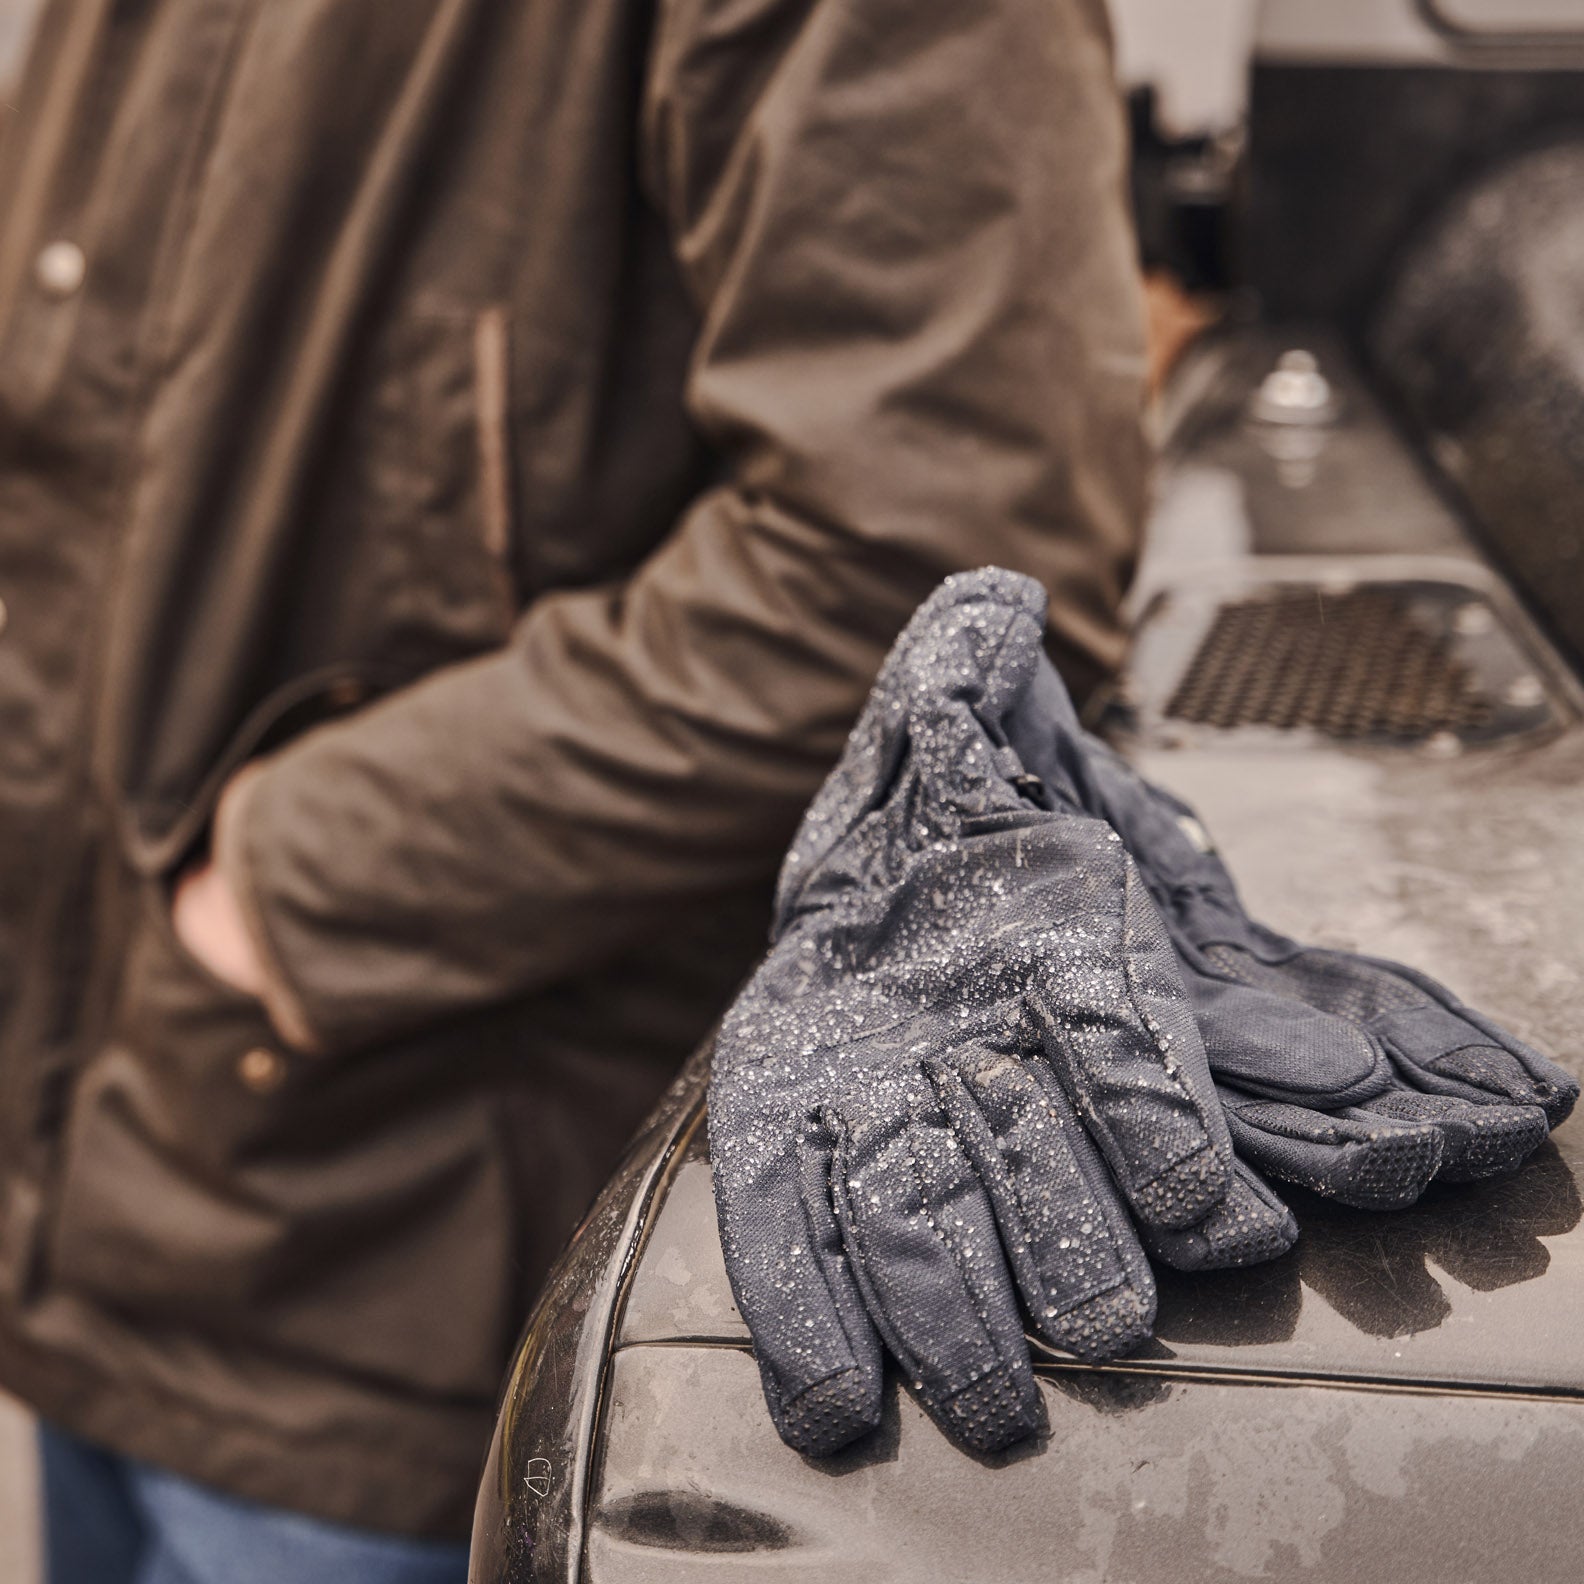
[919,350]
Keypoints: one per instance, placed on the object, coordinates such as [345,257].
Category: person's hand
[209,923]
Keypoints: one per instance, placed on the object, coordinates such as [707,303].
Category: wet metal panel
[1147,1480]
[1448,1292]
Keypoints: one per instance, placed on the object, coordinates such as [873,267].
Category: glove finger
[1249,1226]
[922,1243]
[1556,1090]
[1067,1238]
[1379,1164]
[1119,1033]
[1446,1048]
[1476,1140]
[819,1356]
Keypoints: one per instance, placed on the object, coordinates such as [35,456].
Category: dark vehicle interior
[1359,653]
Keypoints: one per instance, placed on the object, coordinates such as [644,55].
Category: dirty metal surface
[1474,1289]
[1150,1481]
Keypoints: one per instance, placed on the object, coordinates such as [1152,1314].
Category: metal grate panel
[1355,664]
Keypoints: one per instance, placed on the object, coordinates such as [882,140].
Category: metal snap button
[60,269]
[261,1070]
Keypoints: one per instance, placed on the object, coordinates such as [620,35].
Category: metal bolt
[1296,392]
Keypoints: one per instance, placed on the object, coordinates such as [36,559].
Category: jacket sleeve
[919,351]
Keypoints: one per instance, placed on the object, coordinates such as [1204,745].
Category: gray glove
[967,1057]
[1355,1077]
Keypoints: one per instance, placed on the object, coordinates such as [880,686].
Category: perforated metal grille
[1353,665]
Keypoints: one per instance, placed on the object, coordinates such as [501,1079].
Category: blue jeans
[109,1520]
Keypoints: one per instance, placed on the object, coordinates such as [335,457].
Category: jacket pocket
[431,486]
[216,1181]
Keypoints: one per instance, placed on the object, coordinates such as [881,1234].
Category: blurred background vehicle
[1360,652]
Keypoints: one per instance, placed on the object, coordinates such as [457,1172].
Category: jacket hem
[382,1475]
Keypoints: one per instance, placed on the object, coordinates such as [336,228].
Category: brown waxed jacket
[513,430]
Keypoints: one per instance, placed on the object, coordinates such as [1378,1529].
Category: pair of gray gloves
[1016,1036]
